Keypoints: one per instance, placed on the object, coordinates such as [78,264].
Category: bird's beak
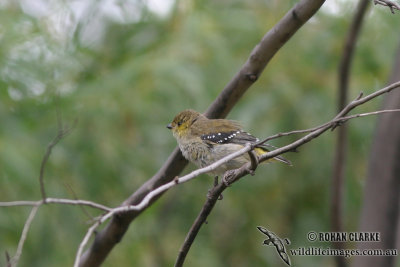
[169,126]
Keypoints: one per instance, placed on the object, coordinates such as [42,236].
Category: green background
[124,72]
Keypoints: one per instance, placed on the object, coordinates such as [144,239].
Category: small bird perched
[204,141]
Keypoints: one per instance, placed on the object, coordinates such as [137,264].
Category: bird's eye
[179,123]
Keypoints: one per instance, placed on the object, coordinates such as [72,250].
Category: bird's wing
[229,137]
[239,137]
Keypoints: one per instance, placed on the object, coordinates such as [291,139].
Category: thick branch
[248,74]
[381,201]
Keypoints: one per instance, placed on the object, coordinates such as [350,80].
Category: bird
[203,141]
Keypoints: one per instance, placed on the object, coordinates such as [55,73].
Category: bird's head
[181,123]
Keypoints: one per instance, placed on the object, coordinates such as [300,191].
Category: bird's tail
[262,150]
[282,159]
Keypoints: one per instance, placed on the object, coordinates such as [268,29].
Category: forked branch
[233,176]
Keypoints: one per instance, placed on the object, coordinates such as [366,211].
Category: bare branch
[81,206]
[338,119]
[212,198]
[232,176]
[153,194]
[36,204]
[247,75]
[332,124]
[20,203]
[61,201]
[15,259]
[391,4]
[62,132]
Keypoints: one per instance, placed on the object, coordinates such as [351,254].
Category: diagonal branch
[14,260]
[212,198]
[231,177]
[247,75]
[217,190]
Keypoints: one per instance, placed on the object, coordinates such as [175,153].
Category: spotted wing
[238,137]
[233,137]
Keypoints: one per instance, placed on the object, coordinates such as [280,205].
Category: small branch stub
[252,77]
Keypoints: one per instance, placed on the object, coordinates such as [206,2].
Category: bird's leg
[253,161]
[215,181]
[220,197]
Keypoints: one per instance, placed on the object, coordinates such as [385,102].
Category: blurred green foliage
[122,69]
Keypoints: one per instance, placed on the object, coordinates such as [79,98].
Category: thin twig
[62,132]
[346,118]
[339,118]
[61,201]
[392,5]
[15,259]
[36,204]
[89,233]
[81,206]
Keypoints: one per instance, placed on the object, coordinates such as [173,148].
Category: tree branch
[392,5]
[62,132]
[14,260]
[248,74]
[49,200]
[212,198]
[380,211]
[232,176]
[229,178]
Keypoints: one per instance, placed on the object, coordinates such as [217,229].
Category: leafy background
[123,69]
